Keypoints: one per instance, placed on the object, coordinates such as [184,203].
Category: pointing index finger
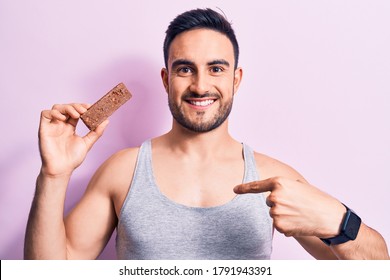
[255,187]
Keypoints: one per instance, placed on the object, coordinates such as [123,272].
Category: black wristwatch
[349,229]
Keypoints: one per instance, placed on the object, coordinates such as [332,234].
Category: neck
[203,145]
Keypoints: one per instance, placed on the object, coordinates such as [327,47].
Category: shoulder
[117,171]
[269,167]
[121,159]
[113,178]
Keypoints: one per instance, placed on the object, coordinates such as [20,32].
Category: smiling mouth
[201,103]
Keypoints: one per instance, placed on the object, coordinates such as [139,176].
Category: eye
[184,70]
[217,69]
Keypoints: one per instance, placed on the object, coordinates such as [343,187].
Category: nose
[200,83]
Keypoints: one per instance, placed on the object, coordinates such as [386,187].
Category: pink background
[315,93]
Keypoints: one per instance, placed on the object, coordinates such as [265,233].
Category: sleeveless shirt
[151,226]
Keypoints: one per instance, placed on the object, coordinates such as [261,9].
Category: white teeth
[202,103]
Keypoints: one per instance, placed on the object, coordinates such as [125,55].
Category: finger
[80,108]
[86,105]
[269,202]
[69,110]
[49,115]
[255,187]
[92,136]
[73,121]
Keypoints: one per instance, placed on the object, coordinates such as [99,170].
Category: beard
[199,125]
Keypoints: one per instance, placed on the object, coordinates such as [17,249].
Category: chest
[153,228]
[198,183]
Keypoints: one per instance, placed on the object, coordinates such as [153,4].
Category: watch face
[352,227]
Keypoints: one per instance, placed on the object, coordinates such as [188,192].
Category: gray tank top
[151,226]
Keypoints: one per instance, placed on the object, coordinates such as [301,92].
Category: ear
[164,78]
[237,79]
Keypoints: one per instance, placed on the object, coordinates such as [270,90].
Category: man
[193,193]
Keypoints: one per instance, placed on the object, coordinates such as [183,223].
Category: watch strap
[349,229]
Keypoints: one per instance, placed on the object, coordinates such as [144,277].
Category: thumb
[255,187]
[92,136]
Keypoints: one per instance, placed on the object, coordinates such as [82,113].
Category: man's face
[201,80]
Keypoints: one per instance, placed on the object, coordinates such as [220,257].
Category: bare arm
[91,222]
[61,151]
[306,213]
[369,244]
[303,211]
[45,233]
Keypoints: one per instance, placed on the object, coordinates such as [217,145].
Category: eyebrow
[182,62]
[218,62]
[191,63]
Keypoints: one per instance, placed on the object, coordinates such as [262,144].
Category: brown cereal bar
[106,106]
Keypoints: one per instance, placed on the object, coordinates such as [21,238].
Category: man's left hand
[298,208]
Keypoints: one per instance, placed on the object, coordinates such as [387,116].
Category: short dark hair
[197,19]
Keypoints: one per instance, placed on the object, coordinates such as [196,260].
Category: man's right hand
[62,150]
